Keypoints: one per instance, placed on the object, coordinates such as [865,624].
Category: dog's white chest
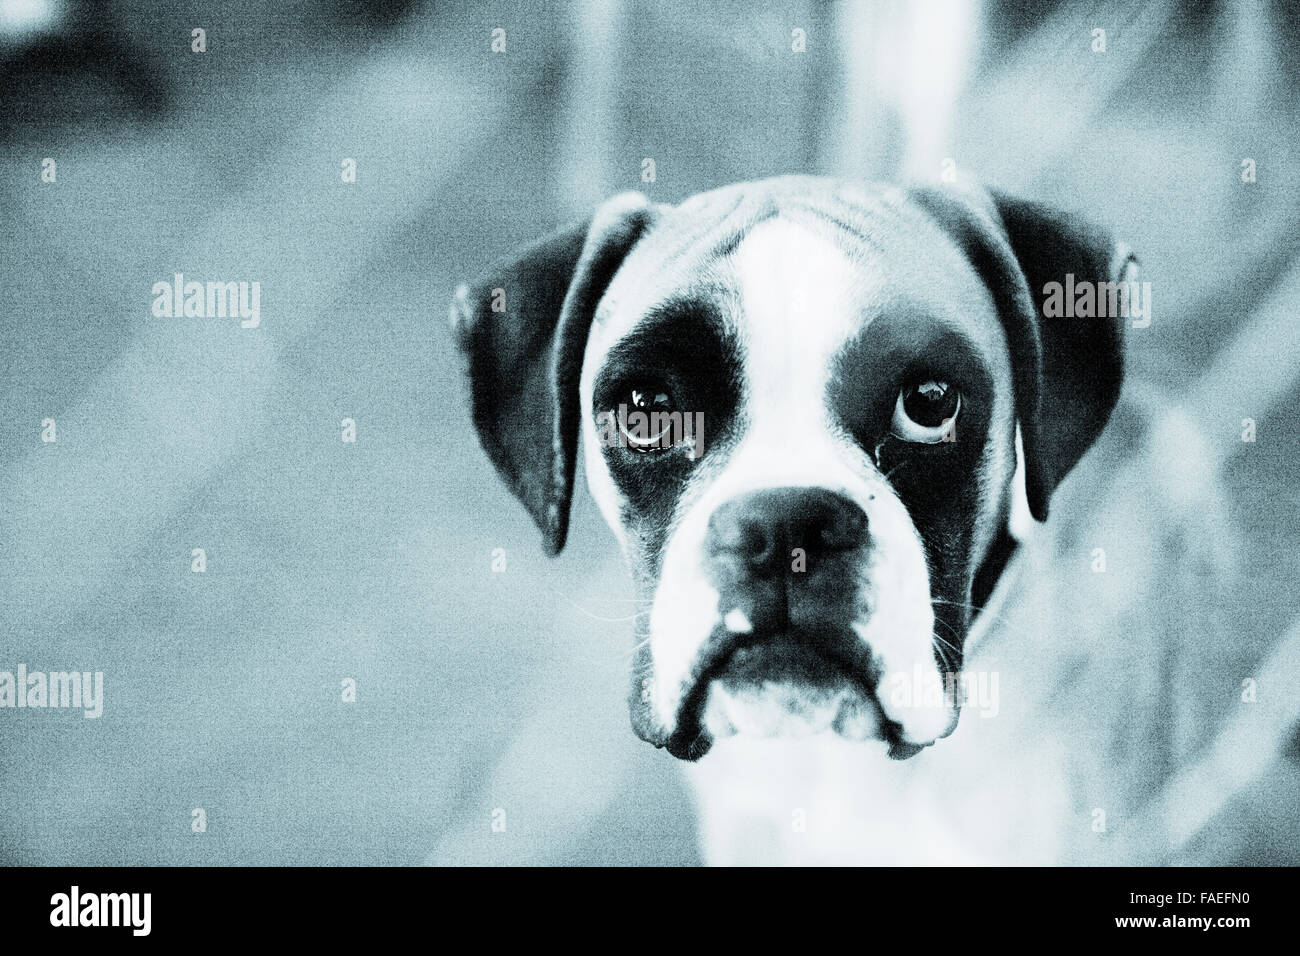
[992,793]
[825,800]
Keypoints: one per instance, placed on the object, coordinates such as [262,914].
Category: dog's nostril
[841,530]
[731,531]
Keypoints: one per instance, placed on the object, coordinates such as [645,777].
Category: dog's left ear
[1068,366]
[523,329]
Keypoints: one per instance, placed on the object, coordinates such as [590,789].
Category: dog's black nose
[773,531]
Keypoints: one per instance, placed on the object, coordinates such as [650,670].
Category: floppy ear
[523,329]
[1068,370]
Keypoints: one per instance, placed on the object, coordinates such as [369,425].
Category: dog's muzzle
[787,564]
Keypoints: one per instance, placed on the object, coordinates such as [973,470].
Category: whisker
[949,665]
[602,618]
[625,600]
[951,630]
[971,607]
[952,665]
[638,645]
[955,649]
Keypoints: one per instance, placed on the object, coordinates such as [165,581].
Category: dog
[885,411]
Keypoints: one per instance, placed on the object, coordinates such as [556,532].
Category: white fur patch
[736,622]
[1021,521]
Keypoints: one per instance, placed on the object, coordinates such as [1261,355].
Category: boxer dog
[883,410]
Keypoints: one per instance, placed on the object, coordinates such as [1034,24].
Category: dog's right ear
[523,329]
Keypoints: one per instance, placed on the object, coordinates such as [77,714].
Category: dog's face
[810,546]
[799,404]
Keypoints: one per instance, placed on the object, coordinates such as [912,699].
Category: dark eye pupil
[930,404]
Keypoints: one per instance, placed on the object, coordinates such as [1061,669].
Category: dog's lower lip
[690,741]
[901,749]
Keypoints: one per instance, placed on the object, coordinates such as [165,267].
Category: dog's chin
[782,688]
[784,708]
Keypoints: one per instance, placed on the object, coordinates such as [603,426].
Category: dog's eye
[646,418]
[926,412]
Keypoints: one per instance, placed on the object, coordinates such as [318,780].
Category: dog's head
[803,404]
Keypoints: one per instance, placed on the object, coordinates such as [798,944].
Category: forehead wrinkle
[858,238]
[696,232]
[850,218]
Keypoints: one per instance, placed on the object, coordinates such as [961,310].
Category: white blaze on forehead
[803,300]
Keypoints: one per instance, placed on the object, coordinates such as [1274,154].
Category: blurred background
[481,691]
